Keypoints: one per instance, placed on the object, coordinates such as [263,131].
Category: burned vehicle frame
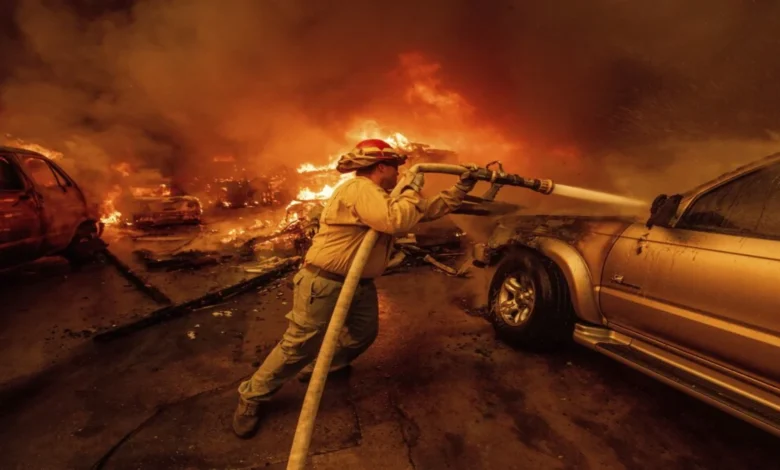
[687,296]
[43,211]
[162,211]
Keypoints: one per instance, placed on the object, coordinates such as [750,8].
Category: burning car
[688,297]
[158,204]
[153,211]
[43,211]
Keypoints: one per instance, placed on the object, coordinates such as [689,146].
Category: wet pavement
[435,391]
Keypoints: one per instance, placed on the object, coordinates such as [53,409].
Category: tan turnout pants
[314,299]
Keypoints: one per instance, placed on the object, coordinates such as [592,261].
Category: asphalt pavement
[436,390]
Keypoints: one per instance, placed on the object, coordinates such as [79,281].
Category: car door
[708,285]
[62,203]
[20,218]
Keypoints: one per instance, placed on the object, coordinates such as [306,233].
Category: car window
[61,178]
[41,172]
[10,179]
[746,206]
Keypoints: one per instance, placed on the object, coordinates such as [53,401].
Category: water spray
[597,196]
[492,173]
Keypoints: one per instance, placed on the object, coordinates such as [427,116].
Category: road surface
[436,390]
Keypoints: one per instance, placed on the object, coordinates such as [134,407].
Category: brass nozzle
[546,186]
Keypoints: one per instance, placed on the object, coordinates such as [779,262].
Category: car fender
[577,274]
[82,221]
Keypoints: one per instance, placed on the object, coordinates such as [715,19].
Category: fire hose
[311,403]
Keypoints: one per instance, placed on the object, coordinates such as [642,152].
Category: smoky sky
[164,80]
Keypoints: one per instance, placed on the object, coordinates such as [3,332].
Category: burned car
[156,211]
[688,297]
[157,205]
[43,211]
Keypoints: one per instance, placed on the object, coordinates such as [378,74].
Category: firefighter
[360,204]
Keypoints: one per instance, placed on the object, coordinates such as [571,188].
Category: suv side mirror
[663,210]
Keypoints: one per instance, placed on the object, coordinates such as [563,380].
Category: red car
[42,211]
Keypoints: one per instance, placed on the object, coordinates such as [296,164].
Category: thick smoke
[630,86]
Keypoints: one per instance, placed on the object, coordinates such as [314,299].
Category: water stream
[596,196]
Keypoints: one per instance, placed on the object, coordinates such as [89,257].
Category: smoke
[168,85]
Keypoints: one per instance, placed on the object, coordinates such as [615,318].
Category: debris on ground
[222,313]
[272,271]
[430,248]
[443,267]
[158,238]
[139,281]
[191,259]
[293,234]
[467,305]
[264,266]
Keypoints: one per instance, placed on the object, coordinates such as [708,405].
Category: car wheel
[84,247]
[529,302]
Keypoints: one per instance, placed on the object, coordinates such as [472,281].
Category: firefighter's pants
[314,299]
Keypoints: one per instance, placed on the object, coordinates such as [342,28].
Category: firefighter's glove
[467,182]
[415,182]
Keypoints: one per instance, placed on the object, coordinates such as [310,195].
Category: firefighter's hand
[467,182]
[415,182]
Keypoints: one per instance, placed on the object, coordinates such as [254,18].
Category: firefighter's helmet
[370,152]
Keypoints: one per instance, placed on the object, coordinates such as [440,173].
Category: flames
[109,214]
[160,190]
[46,152]
[423,111]
[329,169]
[428,102]
[367,130]
[233,235]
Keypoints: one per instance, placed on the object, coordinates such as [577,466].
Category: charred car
[43,211]
[160,204]
[158,211]
[689,297]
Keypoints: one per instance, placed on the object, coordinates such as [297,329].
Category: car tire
[530,306]
[75,253]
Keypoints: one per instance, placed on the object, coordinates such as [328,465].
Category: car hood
[569,228]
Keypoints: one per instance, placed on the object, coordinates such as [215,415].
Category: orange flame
[395,139]
[48,153]
[111,216]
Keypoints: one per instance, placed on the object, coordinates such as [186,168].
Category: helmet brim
[353,162]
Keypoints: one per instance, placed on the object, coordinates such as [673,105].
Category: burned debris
[190,259]
[265,272]
[150,226]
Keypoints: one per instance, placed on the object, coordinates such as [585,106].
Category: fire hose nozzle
[546,186]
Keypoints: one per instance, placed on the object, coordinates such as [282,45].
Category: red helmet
[375,148]
[369,152]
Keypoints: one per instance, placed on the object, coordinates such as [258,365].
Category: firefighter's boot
[246,419]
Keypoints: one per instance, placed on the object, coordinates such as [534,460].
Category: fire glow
[444,117]
[109,214]
[431,113]
[395,139]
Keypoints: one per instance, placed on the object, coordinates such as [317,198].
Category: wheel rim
[516,300]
